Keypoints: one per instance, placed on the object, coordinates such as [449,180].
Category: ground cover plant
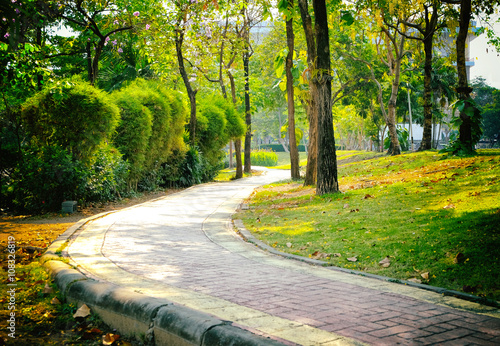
[423,217]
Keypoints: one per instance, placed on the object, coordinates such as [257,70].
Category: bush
[47,176]
[135,129]
[107,178]
[263,158]
[152,128]
[71,114]
[44,178]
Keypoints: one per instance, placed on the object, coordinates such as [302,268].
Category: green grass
[228,174]
[427,213]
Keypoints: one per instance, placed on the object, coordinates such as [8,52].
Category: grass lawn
[431,219]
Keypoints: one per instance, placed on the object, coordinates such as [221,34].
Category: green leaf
[347,17]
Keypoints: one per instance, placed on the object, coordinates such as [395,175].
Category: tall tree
[327,181]
[287,7]
[426,19]
[470,117]
[312,111]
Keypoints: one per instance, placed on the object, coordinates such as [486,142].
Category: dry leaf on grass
[449,206]
[55,301]
[385,263]
[425,275]
[352,259]
[319,255]
[83,312]
[288,244]
[47,289]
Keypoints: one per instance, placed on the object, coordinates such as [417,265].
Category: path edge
[240,228]
[149,320]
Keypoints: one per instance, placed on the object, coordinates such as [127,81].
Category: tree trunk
[248,114]
[312,154]
[294,153]
[464,91]
[327,181]
[426,137]
[179,39]
[237,141]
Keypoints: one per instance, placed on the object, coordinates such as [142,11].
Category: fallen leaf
[449,206]
[341,229]
[368,196]
[319,255]
[337,255]
[415,280]
[55,301]
[303,248]
[354,210]
[385,263]
[47,289]
[352,259]
[346,206]
[425,275]
[83,311]
[288,244]
[109,338]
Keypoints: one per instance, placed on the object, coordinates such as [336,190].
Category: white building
[484,59]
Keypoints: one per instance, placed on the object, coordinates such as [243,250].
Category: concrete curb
[149,320]
[249,237]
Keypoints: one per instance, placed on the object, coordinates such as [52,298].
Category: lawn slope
[428,217]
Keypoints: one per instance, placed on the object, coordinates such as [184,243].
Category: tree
[424,18]
[288,8]
[97,21]
[312,110]
[469,120]
[327,181]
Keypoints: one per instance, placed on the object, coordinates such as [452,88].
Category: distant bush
[263,158]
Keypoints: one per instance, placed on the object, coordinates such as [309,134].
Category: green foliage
[71,114]
[107,178]
[263,158]
[135,129]
[48,175]
[211,129]
[460,146]
[235,124]
[403,137]
[44,178]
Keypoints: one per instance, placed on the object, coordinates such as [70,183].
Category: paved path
[182,248]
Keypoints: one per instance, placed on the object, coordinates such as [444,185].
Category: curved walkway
[182,247]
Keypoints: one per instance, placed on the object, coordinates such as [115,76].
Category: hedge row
[80,143]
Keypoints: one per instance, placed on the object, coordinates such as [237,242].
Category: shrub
[44,178]
[107,178]
[70,114]
[135,129]
[263,158]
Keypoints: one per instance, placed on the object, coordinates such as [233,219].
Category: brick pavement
[183,242]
